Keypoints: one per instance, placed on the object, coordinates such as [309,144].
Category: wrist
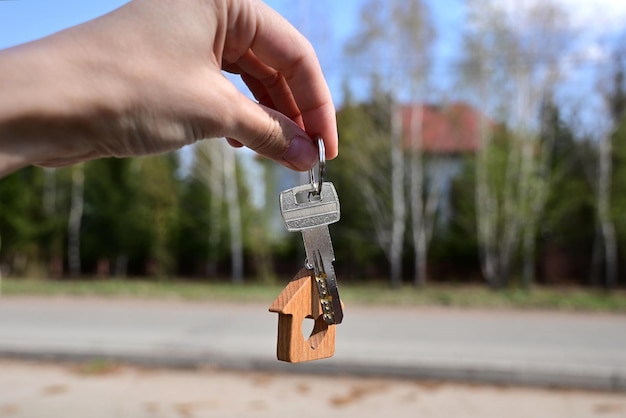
[20,108]
[51,90]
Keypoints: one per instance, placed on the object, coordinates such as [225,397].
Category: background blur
[481,141]
[482,165]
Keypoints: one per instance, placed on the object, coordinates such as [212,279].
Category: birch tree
[49,191]
[605,232]
[233,204]
[215,166]
[395,36]
[209,170]
[511,65]
[398,220]
[425,191]
[75,218]
[0,266]
[615,105]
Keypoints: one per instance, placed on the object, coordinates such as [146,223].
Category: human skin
[148,78]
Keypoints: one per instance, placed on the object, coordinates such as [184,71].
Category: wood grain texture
[298,301]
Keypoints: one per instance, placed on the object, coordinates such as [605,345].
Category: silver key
[303,209]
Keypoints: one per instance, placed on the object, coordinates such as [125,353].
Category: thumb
[272,134]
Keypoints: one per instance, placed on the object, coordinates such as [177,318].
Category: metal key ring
[321,167]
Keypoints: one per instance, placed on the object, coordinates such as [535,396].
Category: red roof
[450,129]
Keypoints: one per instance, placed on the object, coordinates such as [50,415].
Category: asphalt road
[511,347]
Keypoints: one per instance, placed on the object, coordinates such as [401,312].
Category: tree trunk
[261,231]
[608,233]
[49,191]
[528,269]
[234,214]
[398,198]
[528,196]
[75,219]
[607,229]
[537,195]
[417,179]
[215,182]
[209,170]
[515,61]
[0,266]
[511,212]
[485,209]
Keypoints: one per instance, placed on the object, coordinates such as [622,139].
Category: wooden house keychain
[312,293]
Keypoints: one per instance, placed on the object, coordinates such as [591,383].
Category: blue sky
[328,23]
[26,20]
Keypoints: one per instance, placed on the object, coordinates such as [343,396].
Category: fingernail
[301,153]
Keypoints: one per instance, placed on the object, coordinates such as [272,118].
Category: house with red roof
[445,135]
[445,130]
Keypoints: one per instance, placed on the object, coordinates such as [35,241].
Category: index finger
[278,44]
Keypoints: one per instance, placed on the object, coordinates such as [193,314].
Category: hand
[147,78]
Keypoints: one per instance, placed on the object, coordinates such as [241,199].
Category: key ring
[321,167]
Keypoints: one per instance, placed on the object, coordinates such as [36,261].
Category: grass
[476,296]
[140,289]
[466,296]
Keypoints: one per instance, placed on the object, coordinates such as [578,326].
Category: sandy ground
[33,390]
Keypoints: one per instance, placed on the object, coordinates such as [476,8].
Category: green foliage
[569,219]
[147,217]
[193,224]
[21,216]
[158,212]
[617,105]
[131,213]
[363,131]
[619,185]
[456,245]
[111,212]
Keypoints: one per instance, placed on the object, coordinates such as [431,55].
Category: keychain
[313,292]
